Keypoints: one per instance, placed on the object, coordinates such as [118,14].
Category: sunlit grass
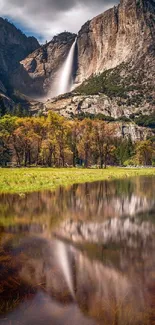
[36,179]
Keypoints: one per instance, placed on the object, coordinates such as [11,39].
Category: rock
[73,105]
[14,46]
[7,102]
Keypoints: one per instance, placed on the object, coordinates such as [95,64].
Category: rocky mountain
[115,64]
[123,37]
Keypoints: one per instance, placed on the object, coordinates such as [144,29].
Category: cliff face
[122,34]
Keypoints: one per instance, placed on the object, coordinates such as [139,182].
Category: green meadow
[36,179]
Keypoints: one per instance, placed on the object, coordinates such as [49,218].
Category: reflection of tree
[90,201]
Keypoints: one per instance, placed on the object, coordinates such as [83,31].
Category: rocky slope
[74,104]
[79,106]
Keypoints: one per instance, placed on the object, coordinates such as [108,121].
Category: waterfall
[64,80]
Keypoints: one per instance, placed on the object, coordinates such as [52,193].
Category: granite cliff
[125,33]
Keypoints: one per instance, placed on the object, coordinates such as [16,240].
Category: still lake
[81,255]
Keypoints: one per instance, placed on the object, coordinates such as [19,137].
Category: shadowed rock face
[14,46]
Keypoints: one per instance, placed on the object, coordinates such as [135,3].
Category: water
[81,255]
[64,78]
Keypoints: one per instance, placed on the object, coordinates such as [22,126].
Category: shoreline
[25,180]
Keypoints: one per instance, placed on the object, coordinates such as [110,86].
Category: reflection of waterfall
[65,265]
[64,80]
[117,288]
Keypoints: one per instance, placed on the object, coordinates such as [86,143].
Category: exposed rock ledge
[71,104]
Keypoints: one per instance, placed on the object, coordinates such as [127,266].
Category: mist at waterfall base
[63,82]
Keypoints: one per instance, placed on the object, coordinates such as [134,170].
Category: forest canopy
[54,141]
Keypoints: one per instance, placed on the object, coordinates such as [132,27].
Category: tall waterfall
[64,80]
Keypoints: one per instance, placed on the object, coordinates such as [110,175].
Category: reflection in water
[64,263]
[102,272]
[101,292]
[94,201]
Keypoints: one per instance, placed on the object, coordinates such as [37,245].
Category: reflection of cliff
[102,292]
[94,201]
[131,232]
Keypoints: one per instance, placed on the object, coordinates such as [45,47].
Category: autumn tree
[145,151]
[85,140]
[103,134]
[73,140]
[7,127]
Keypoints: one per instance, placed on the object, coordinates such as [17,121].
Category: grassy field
[36,179]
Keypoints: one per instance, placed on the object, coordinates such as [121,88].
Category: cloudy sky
[45,18]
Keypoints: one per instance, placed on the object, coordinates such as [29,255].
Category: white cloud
[49,17]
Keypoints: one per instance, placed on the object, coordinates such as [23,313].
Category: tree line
[54,141]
